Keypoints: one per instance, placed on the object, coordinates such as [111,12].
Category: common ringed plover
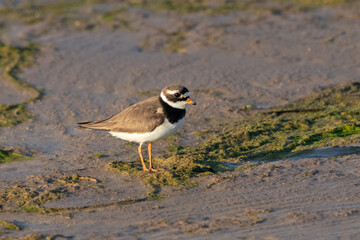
[149,120]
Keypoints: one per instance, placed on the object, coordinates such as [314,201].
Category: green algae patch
[179,171]
[32,236]
[37,11]
[306,5]
[78,14]
[225,7]
[38,190]
[84,15]
[328,118]
[31,195]
[14,114]
[9,225]
[38,236]
[182,7]
[9,156]
[12,60]
[28,199]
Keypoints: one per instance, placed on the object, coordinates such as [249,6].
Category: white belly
[161,131]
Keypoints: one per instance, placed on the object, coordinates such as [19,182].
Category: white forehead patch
[173,91]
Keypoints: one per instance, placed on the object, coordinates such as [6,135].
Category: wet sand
[227,64]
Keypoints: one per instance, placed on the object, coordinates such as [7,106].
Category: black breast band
[172,114]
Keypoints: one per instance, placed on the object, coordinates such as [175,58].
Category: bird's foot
[145,169]
[156,170]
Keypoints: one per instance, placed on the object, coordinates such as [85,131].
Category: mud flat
[271,151]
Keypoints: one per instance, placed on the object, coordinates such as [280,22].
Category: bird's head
[176,96]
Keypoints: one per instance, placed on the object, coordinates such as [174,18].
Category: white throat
[178,105]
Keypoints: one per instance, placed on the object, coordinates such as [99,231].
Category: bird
[147,121]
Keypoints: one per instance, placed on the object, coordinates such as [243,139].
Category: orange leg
[150,166]
[142,160]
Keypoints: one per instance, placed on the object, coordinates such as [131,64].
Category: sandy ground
[269,61]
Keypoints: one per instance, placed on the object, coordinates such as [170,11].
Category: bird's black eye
[177,95]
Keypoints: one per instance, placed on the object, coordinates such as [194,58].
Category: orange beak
[189,101]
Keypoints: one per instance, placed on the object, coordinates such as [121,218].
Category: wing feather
[142,117]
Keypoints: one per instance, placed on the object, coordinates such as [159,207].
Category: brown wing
[142,117]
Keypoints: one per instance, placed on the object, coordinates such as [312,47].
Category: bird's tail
[84,124]
[97,125]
